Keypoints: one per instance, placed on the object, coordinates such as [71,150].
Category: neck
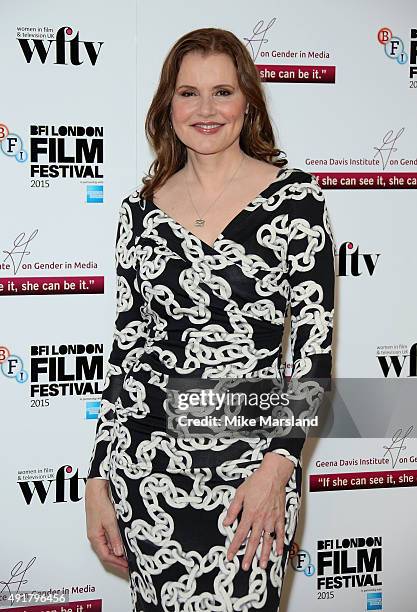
[209,171]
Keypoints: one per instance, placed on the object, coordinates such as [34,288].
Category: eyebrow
[214,86]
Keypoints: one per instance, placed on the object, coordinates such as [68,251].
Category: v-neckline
[221,235]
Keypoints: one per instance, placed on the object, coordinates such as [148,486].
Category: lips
[207,125]
[207,128]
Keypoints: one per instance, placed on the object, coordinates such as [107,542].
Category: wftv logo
[11,366]
[60,45]
[354,263]
[58,490]
[398,362]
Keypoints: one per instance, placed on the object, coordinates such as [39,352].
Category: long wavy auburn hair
[256,137]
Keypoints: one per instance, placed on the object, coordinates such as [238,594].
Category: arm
[311,280]
[128,339]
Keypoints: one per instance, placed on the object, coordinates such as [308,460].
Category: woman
[218,244]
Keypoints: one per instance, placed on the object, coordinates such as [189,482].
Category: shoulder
[302,200]
[131,206]
[300,191]
[299,180]
[171,188]
[306,203]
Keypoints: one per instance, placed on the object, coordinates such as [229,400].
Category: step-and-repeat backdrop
[341,84]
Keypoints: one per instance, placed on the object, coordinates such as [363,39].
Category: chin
[201,145]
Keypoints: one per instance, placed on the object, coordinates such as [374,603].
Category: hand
[262,496]
[102,528]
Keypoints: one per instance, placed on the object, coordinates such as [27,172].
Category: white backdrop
[332,127]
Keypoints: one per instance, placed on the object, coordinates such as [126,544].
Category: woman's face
[207,92]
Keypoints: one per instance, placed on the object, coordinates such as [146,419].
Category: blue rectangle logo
[94,194]
[374,601]
[92,409]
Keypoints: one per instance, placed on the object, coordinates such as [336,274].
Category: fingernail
[119,550]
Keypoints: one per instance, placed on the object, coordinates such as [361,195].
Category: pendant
[199,222]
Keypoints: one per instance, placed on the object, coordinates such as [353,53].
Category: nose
[206,105]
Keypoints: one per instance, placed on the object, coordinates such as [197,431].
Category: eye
[188,93]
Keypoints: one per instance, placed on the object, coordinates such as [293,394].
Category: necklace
[199,222]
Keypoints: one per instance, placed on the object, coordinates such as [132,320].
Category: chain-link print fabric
[185,308]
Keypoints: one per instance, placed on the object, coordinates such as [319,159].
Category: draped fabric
[187,309]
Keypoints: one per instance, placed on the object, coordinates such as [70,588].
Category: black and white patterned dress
[185,308]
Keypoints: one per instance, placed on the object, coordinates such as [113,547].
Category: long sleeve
[129,338]
[311,282]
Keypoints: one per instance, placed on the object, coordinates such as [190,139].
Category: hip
[135,449]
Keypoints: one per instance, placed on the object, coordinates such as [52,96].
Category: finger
[280,522]
[118,562]
[240,535]
[234,508]
[267,542]
[252,545]
[100,541]
[108,556]
[280,532]
[105,554]
[114,539]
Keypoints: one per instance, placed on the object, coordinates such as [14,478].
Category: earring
[247,109]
